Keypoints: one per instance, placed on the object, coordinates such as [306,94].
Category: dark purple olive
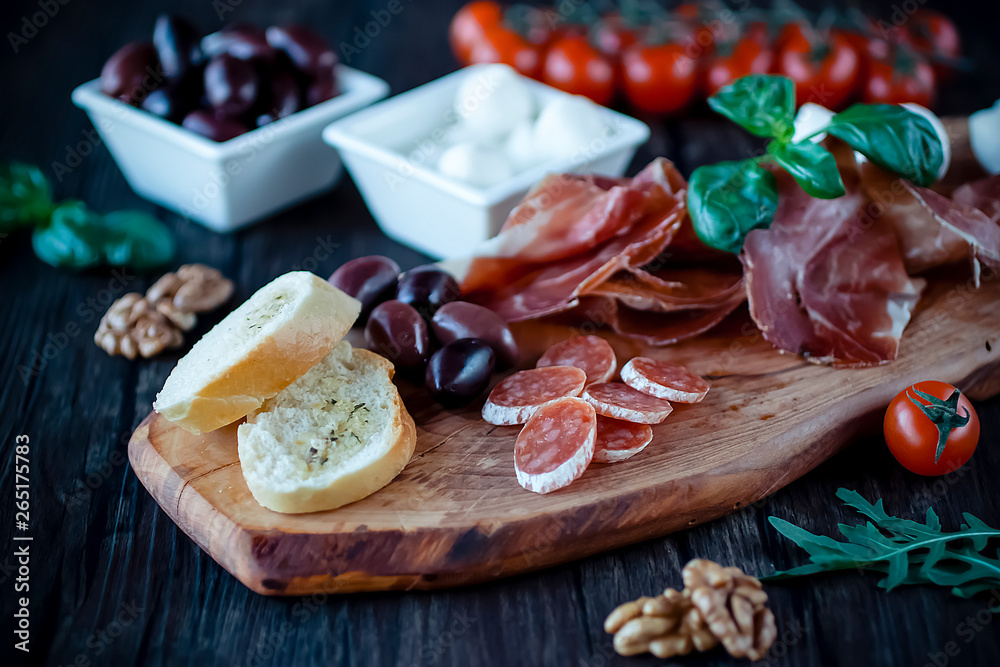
[240,40]
[323,88]
[308,50]
[285,97]
[231,84]
[178,45]
[212,126]
[397,332]
[166,103]
[370,280]
[131,72]
[460,319]
[459,371]
[427,288]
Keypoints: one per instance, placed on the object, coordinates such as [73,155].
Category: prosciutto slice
[983,195]
[554,286]
[827,280]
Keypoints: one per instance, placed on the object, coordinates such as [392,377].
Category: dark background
[115,582]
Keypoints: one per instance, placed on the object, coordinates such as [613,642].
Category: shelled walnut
[137,325]
[718,605]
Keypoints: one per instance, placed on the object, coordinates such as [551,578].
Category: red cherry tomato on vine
[499,44]
[897,83]
[576,67]
[749,57]
[659,78]
[934,35]
[923,415]
[469,24]
[824,73]
[612,36]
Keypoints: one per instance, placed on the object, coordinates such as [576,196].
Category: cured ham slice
[620,401]
[663,380]
[672,289]
[556,445]
[619,440]
[555,286]
[975,227]
[591,354]
[827,279]
[982,194]
[518,396]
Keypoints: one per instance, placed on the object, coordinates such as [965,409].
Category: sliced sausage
[516,397]
[664,380]
[619,401]
[592,354]
[556,445]
[618,440]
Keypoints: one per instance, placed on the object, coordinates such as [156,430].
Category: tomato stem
[943,414]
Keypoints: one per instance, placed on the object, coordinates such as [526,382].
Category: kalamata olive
[322,88]
[427,288]
[398,332]
[370,280]
[131,72]
[284,96]
[178,45]
[460,319]
[215,127]
[165,102]
[240,40]
[308,50]
[459,371]
[231,84]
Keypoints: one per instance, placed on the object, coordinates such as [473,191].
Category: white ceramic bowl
[226,185]
[440,216]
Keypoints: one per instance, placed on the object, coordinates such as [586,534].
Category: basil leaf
[763,104]
[813,167]
[136,239]
[892,137]
[729,199]
[73,238]
[25,196]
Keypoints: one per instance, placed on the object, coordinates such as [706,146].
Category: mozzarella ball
[810,118]
[520,147]
[493,99]
[474,164]
[568,127]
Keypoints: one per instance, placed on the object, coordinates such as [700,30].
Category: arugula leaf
[892,137]
[72,239]
[729,199]
[813,167]
[25,196]
[763,104]
[136,239]
[907,552]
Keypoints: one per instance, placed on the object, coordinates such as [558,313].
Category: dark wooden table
[113,581]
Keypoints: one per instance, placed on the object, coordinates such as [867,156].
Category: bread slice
[337,434]
[279,333]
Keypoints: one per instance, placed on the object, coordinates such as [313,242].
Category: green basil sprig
[71,236]
[894,138]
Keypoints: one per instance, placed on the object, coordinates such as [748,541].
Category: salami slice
[516,397]
[620,401]
[618,440]
[663,380]
[591,354]
[556,445]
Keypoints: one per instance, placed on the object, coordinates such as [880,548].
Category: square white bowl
[440,216]
[226,185]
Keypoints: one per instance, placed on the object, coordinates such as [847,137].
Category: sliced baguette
[283,330]
[337,434]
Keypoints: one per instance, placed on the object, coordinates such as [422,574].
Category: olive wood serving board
[456,515]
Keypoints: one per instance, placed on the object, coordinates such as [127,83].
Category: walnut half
[133,327]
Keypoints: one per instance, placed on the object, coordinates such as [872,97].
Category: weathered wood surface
[114,581]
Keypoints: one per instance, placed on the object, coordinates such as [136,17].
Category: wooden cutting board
[456,515]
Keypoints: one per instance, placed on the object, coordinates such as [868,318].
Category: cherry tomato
[749,57]
[659,78]
[469,24]
[706,27]
[825,74]
[758,31]
[544,26]
[500,44]
[576,67]
[913,436]
[934,35]
[905,80]
[612,36]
